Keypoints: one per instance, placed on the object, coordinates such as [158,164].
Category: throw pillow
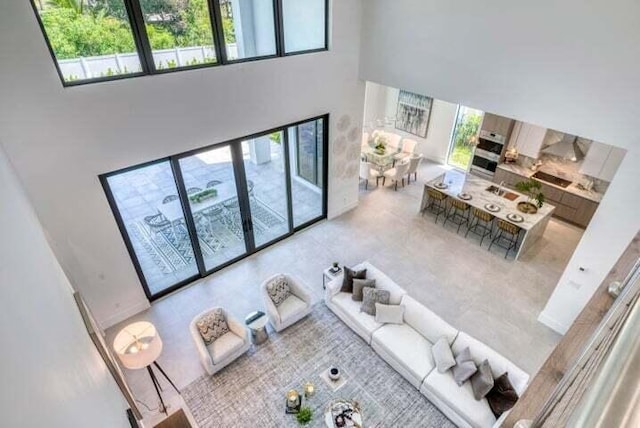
[442,355]
[358,285]
[278,290]
[212,326]
[464,368]
[482,381]
[389,314]
[502,396]
[349,276]
[371,296]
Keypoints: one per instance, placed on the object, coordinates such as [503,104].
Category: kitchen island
[456,182]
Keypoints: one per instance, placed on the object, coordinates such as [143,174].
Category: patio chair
[192,190]
[250,185]
[212,214]
[157,223]
[213,183]
[169,198]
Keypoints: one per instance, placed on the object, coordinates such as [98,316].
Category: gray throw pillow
[370,297]
[389,314]
[464,368]
[278,290]
[482,381]
[442,355]
[349,276]
[358,285]
[212,326]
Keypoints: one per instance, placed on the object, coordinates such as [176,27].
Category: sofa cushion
[371,296]
[383,282]
[212,325]
[278,290]
[499,364]
[460,398]
[348,277]
[465,367]
[389,314]
[359,285]
[290,306]
[426,322]
[351,310]
[224,346]
[407,347]
[502,396]
[482,380]
[442,355]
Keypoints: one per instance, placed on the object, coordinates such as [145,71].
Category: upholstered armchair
[226,348]
[292,309]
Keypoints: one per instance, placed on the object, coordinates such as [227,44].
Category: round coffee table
[347,411]
[257,323]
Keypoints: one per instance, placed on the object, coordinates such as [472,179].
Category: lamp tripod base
[158,388]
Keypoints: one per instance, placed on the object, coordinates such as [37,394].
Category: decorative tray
[465,196]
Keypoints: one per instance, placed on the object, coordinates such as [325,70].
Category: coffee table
[346,411]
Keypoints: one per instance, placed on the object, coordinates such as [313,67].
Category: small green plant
[305,415]
[205,194]
[172,63]
[532,189]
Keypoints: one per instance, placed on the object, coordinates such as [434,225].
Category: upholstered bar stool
[437,202]
[458,213]
[481,224]
[507,236]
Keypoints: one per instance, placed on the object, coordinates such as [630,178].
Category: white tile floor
[477,291]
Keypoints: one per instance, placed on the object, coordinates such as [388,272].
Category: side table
[328,275]
[257,323]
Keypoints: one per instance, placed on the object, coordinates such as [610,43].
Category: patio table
[173,210]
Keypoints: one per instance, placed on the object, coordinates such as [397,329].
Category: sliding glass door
[191,214]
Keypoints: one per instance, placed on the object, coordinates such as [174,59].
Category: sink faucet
[499,190]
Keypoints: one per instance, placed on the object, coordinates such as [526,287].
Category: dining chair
[169,198]
[481,224]
[408,147]
[414,163]
[393,141]
[157,223]
[437,202]
[396,173]
[213,183]
[368,172]
[507,233]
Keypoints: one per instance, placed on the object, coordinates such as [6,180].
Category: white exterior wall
[570,65]
[52,375]
[61,139]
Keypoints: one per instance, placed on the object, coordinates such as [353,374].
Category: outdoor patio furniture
[192,190]
[250,186]
[157,223]
[212,214]
[213,183]
[169,198]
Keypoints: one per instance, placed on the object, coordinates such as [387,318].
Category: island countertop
[458,182]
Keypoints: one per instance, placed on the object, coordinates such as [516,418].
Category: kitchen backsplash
[564,169]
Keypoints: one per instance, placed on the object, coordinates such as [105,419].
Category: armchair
[292,309]
[225,349]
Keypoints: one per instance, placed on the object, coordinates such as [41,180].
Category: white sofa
[293,309]
[407,348]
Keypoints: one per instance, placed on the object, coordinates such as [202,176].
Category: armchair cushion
[278,290]
[212,325]
[291,306]
[224,346]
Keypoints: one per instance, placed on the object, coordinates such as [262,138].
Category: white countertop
[572,188]
[459,182]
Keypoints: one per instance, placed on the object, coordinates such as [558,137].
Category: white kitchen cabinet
[527,139]
[602,161]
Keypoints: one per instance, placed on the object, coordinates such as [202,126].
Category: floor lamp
[138,346]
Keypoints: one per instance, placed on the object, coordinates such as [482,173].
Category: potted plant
[305,415]
[380,145]
[532,189]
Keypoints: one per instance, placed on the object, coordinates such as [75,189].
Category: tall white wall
[61,139]
[571,65]
[52,375]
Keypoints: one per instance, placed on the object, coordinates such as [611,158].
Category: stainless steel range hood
[566,146]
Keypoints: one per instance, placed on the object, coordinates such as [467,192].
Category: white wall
[382,101]
[52,375]
[61,139]
[570,65]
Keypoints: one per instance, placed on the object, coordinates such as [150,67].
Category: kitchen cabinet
[527,139]
[497,124]
[602,161]
[508,178]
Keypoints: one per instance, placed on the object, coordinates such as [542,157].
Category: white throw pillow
[442,355]
[389,314]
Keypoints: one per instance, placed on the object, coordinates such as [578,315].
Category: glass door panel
[146,200]
[306,160]
[264,166]
[464,137]
[213,199]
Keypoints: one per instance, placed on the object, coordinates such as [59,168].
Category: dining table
[480,193]
[381,160]
[172,211]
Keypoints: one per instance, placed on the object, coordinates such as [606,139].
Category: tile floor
[477,291]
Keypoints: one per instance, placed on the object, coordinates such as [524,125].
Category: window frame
[145,53]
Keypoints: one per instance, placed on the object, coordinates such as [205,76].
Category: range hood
[566,146]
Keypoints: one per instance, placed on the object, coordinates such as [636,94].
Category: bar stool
[437,202]
[458,213]
[507,233]
[483,222]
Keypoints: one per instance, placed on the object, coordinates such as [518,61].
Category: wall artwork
[413,113]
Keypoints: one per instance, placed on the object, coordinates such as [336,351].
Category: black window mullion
[243,195]
[188,215]
[136,20]
[325,164]
[216,21]
[289,184]
[279,27]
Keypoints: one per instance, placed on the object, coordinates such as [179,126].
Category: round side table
[257,323]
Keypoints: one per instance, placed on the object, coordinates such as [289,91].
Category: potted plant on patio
[532,189]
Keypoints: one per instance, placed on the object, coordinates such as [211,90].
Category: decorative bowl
[527,207]
[334,373]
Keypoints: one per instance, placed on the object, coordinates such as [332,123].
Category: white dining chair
[414,163]
[368,172]
[397,173]
[393,140]
[408,147]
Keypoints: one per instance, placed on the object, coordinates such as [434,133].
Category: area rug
[251,391]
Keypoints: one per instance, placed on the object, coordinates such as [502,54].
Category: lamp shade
[138,345]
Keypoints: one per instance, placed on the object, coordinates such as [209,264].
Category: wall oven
[487,154]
